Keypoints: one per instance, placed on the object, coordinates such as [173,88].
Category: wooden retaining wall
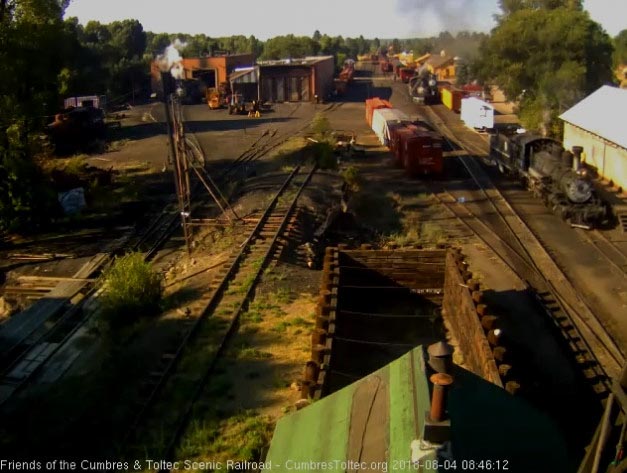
[450,284]
[474,328]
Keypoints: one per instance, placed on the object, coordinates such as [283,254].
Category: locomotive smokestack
[577,150]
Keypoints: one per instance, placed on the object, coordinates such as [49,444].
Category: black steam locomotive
[423,87]
[553,174]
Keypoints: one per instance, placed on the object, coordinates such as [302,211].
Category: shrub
[131,289]
[352,178]
[323,152]
[320,125]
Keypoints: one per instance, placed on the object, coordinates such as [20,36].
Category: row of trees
[548,53]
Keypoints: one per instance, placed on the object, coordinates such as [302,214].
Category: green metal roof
[375,420]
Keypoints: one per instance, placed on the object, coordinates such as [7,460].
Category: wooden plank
[368,432]
[54,278]
[24,323]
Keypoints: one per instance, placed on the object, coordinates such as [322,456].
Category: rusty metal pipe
[438,398]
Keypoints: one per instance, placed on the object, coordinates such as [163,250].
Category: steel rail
[184,421]
[213,302]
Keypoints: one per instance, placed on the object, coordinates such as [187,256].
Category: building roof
[600,112]
[244,75]
[437,61]
[305,61]
[423,58]
[377,418]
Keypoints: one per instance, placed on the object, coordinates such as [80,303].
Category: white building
[599,124]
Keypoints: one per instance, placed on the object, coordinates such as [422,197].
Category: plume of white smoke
[171,59]
[440,15]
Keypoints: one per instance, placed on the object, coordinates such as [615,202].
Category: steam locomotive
[423,87]
[553,174]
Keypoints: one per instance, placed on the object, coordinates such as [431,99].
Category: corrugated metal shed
[600,112]
[376,419]
[246,75]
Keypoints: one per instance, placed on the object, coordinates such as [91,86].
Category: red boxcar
[422,153]
[400,136]
[393,128]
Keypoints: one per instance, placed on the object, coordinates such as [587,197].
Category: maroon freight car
[421,153]
[393,128]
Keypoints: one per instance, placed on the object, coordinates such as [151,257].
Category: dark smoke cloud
[433,16]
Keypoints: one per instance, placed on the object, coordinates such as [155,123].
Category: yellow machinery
[214,99]
[215,96]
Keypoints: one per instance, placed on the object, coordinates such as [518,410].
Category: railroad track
[607,249]
[37,346]
[597,353]
[189,365]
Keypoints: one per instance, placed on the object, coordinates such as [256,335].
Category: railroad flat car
[553,174]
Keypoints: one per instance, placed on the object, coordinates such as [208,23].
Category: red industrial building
[285,80]
[208,71]
[297,80]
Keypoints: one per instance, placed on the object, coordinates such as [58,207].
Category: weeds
[281,296]
[407,238]
[432,233]
[131,289]
[352,178]
[320,125]
[239,437]
[281,327]
[117,145]
[324,155]
[299,321]
[250,353]
[76,166]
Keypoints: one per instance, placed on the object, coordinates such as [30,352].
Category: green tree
[128,39]
[510,7]
[156,43]
[463,74]
[396,46]
[363,45]
[620,48]
[32,44]
[281,47]
[554,56]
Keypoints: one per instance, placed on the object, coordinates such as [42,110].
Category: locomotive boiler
[423,87]
[551,173]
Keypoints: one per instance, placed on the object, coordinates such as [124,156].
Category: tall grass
[131,289]
[239,437]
